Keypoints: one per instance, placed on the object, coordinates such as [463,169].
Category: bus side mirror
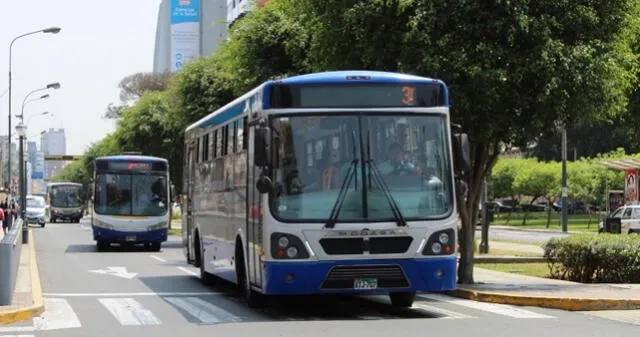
[461,157]
[261,147]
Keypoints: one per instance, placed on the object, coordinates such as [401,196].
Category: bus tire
[155,246]
[402,299]
[102,246]
[197,259]
[253,299]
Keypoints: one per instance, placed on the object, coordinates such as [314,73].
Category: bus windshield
[405,158]
[130,194]
[65,196]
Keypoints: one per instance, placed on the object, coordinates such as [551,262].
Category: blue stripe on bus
[126,158]
[309,276]
[341,77]
[115,236]
[225,116]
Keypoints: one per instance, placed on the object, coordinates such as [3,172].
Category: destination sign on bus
[358,95]
[129,166]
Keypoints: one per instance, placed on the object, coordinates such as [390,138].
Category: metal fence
[10,248]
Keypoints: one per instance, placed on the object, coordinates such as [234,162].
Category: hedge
[587,258]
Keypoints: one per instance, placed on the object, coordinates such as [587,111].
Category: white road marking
[58,314]
[129,311]
[130,294]
[190,272]
[499,309]
[16,336]
[17,329]
[625,316]
[115,271]
[158,258]
[447,314]
[202,310]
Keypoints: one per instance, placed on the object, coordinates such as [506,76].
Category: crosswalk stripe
[202,310]
[129,311]
[499,309]
[443,312]
[58,314]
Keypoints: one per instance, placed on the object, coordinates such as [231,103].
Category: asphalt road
[520,235]
[137,292]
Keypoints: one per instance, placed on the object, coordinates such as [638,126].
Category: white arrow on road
[115,271]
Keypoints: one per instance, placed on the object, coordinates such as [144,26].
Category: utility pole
[564,180]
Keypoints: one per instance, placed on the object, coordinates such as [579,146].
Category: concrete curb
[37,308]
[540,230]
[563,303]
[509,259]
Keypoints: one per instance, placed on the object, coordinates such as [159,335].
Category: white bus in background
[131,201]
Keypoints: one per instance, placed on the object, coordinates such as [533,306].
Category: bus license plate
[365,283]
[130,238]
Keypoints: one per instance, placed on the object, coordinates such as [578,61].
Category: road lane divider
[187,271]
[158,258]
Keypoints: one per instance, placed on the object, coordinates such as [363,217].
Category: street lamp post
[50,30]
[22,129]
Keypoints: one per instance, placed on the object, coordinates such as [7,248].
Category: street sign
[62,157]
[115,271]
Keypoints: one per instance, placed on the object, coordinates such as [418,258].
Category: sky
[101,42]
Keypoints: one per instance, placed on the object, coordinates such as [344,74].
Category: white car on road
[37,210]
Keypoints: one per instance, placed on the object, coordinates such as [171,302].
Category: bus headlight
[292,252]
[444,238]
[287,246]
[440,243]
[157,226]
[283,242]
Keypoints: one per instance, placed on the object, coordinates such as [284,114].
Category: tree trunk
[482,162]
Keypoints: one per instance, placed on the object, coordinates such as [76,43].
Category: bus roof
[237,107]
[63,184]
[132,158]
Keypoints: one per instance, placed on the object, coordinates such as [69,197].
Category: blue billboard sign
[185,32]
[37,175]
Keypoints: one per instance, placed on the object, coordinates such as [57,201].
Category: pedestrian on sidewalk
[3,218]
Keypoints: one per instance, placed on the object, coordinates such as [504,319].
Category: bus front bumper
[114,236]
[358,276]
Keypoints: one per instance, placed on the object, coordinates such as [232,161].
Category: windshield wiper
[373,168]
[351,173]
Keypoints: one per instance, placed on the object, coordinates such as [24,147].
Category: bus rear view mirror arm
[461,153]
[261,147]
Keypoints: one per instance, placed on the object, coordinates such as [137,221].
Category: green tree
[515,69]
[133,87]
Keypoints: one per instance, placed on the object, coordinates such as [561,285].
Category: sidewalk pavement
[499,287]
[27,297]
[541,230]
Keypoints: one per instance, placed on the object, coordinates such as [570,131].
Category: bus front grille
[357,246]
[344,277]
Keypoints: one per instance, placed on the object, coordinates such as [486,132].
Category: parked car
[629,216]
[36,210]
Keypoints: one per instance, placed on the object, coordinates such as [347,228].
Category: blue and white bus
[276,201]
[130,201]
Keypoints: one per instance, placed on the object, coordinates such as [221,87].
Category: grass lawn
[538,220]
[538,269]
[175,231]
[504,252]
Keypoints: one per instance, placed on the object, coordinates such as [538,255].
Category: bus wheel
[254,299]
[155,246]
[402,300]
[102,246]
